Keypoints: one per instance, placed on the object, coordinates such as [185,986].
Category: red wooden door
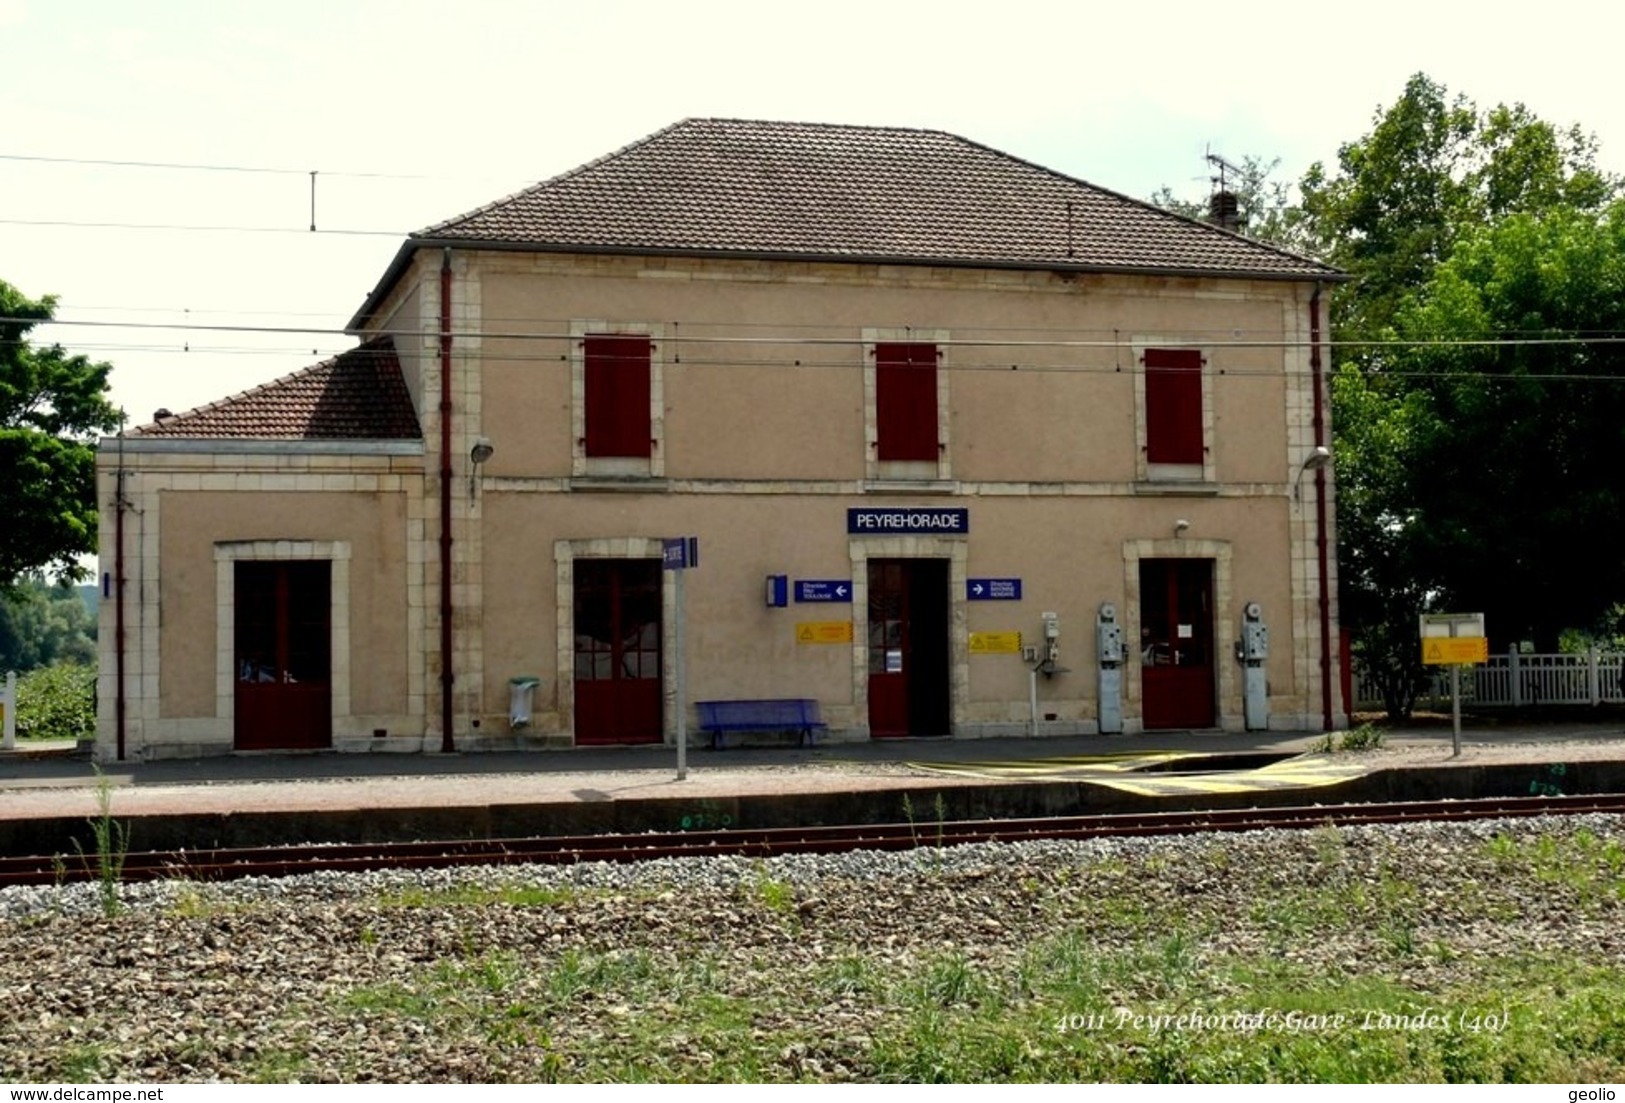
[617,651]
[284,693]
[908,647]
[1176,643]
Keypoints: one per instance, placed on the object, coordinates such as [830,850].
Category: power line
[958,366]
[196,167]
[1205,334]
[848,338]
[174,228]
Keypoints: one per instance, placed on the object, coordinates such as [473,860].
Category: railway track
[229,864]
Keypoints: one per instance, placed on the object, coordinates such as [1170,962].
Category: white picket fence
[1588,678]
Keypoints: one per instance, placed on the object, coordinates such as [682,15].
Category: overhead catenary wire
[200,166]
[1202,338]
[785,329]
[303,231]
[957,366]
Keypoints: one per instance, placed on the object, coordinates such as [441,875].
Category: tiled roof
[357,395]
[855,193]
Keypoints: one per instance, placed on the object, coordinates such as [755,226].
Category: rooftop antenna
[1223,206]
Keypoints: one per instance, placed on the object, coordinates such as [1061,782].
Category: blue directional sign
[679,553]
[834,589]
[993,589]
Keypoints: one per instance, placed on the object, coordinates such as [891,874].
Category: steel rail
[211,864]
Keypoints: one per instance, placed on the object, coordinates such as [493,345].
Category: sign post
[1454,639]
[679,554]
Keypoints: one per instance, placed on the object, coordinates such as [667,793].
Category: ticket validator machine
[1109,668]
[1252,649]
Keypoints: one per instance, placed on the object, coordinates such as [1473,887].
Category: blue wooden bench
[785,714]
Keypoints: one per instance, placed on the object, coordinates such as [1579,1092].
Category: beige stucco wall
[765,420]
[190,510]
[764,379]
[374,525]
[763,430]
[1070,553]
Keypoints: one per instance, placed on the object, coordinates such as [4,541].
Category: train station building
[966,447]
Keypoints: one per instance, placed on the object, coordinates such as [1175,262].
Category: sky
[199,282]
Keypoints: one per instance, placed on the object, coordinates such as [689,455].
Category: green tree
[42,624]
[1432,168]
[1514,477]
[1382,588]
[1469,475]
[1475,475]
[52,407]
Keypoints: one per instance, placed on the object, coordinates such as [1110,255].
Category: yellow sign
[1455,650]
[824,631]
[995,643]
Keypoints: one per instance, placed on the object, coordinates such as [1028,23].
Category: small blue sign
[835,589]
[778,591]
[679,553]
[993,589]
[896,521]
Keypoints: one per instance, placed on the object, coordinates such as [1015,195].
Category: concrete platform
[249,800]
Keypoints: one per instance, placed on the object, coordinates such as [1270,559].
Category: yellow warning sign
[995,643]
[1455,650]
[824,631]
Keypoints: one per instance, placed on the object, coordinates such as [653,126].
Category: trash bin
[520,690]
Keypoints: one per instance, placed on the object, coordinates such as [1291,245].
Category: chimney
[1224,210]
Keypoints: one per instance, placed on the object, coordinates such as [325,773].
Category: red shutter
[1173,406]
[617,395]
[906,401]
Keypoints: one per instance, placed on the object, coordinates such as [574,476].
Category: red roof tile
[855,193]
[357,395]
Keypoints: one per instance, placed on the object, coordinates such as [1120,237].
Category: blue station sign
[993,589]
[832,589]
[679,553]
[895,521]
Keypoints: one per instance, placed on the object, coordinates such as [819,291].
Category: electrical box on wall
[778,591]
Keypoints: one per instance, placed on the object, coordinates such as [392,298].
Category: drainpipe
[118,595]
[1322,553]
[447,746]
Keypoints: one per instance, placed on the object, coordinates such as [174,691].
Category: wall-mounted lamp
[1180,526]
[481,451]
[1317,458]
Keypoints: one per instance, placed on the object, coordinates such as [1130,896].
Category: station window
[1173,406]
[906,417]
[617,391]
[617,399]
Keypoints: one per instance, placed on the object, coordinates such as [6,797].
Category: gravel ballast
[800,967]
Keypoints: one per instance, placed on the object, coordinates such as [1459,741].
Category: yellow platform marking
[1118,772]
[1066,767]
